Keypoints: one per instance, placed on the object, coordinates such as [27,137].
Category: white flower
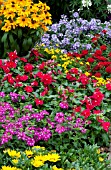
[109,8]
[86,3]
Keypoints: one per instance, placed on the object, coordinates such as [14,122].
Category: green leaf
[24,44]
[11,39]
[4,38]
[29,41]
[19,33]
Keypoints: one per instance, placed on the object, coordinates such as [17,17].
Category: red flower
[34,83]
[46,79]
[28,67]
[39,74]
[104,31]
[94,39]
[6,69]
[41,66]
[74,70]
[103,47]
[23,78]
[17,78]
[108,86]
[90,60]
[13,55]
[11,64]
[38,102]
[18,85]
[78,109]
[108,69]
[86,113]
[97,74]
[98,53]
[10,79]
[96,111]
[23,59]
[105,126]
[28,89]
[44,92]
[84,52]
[109,54]
[83,79]
[0,63]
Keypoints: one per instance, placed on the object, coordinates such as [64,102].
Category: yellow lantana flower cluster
[37,157]
[24,13]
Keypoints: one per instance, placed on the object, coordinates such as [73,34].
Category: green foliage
[98,9]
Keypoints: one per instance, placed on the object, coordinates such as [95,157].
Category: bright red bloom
[5,69]
[77,109]
[34,83]
[97,74]
[105,126]
[44,92]
[84,52]
[23,59]
[83,79]
[28,67]
[17,78]
[0,63]
[90,60]
[13,55]
[109,54]
[70,77]
[11,64]
[97,95]
[86,113]
[23,78]
[104,31]
[46,79]
[108,86]
[96,111]
[74,70]
[103,47]
[41,66]
[39,74]
[98,53]
[94,39]
[28,89]
[108,69]
[38,102]
[18,85]
[10,79]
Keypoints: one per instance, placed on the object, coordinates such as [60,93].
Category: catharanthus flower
[28,67]
[13,55]
[108,86]
[105,125]
[64,105]
[39,102]
[28,89]
[86,113]
[46,79]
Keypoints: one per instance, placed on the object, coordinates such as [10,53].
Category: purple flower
[64,105]
[75,15]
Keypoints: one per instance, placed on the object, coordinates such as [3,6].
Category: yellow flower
[54,157]
[13,153]
[101,159]
[55,168]
[54,57]
[9,14]
[57,50]
[9,168]
[81,63]
[87,74]
[98,151]
[15,161]
[6,27]
[22,12]
[88,63]
[11,23]
[78,58]
[23,21]
[29,153]
[37,163]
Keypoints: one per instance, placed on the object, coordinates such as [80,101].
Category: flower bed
[58,99]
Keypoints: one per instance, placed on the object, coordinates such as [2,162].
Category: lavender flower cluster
[70,34]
